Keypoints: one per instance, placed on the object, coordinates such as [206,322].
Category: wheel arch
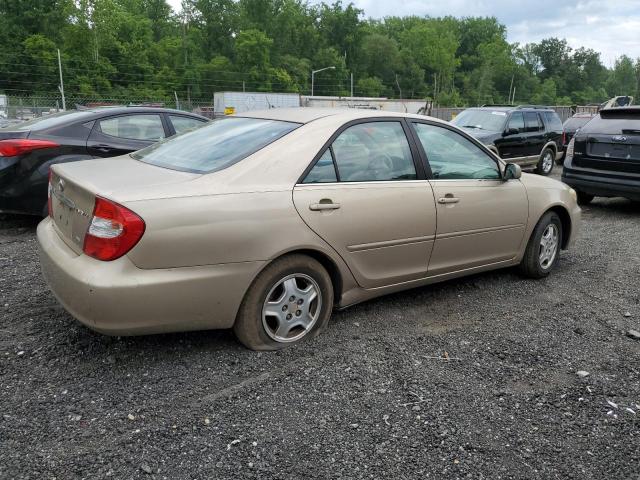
[565,219]
[329,264]
[552,145]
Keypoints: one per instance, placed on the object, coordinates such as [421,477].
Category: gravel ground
[370,398]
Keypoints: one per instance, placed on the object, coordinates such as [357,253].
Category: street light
[313,72]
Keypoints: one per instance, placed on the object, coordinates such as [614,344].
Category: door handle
[448,199]
[103,148]
[324,205]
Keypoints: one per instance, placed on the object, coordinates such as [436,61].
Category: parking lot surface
[473,378]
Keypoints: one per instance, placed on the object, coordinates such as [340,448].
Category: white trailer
[228,103]
[370,103]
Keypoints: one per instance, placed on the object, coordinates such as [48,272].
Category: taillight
[564,138]
[114,230]
[49,193]
[20,146]
[570,149]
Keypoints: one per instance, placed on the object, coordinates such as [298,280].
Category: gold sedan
[266,222]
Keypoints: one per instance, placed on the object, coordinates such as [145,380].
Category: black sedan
[28,149]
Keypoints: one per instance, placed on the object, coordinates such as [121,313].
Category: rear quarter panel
[226,228]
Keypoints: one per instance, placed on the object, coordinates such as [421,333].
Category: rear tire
[289,301]
[543,249]
[546,162]
[584,198]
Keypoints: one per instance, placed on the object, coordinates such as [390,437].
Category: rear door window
[133,127]
[375,151]
[532,122]
[516,122]
[323,171]
[182,124]
[217,145]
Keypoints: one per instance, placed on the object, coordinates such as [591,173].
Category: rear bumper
[118,298]
[601,184]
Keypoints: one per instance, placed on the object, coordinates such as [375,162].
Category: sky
[611,27]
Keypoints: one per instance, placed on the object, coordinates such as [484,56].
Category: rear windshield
[216,145]
[51,120]
[613,125]
[575,123]
[492,120]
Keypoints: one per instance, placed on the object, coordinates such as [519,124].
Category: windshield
[492,120]
[216,145]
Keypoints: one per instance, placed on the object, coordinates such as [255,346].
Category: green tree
[369,87]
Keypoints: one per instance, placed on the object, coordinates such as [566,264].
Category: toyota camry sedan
[267,222]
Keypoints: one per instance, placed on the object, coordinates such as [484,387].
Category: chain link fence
[19,108]
[28,107]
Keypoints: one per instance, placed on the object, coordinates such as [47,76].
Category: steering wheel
[381,162]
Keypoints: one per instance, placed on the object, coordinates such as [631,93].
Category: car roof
[136,109]
[75,116]
[306,114]
[511,108]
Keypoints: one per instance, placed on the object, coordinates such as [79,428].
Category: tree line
[142,49]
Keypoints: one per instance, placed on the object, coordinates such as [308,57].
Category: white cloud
[611,27]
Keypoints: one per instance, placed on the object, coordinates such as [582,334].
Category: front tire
[543,249]
[289,301]
[546,162]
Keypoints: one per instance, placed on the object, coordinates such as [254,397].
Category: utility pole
[61,86]
[511,87]
[398,84]
[435,88]
[352,85]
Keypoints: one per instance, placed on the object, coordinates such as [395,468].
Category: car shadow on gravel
[613,205]
[23,222]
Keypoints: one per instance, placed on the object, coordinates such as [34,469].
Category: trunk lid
[74,187]
[620,153]
[6,134]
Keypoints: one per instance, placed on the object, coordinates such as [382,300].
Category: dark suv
[530,136]
[603,159]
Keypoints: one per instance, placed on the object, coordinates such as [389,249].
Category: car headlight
[573,194]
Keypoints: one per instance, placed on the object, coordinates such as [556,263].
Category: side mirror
[510,131]
[512,172]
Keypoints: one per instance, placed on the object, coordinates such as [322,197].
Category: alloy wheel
[547,162]
[549,246]
[292,308]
